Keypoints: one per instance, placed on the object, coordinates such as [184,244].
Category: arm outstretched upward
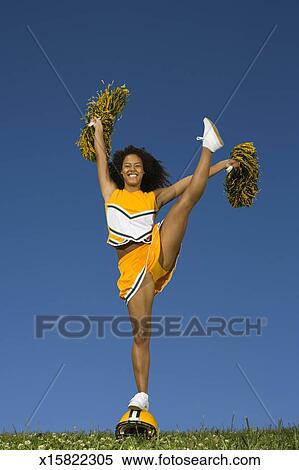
[165,195]
[107,185]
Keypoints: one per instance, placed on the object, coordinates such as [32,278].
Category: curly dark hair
[155,174]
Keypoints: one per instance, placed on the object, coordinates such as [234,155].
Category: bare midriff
[130,246]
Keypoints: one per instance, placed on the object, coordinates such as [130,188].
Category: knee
[142,332]
[142,340]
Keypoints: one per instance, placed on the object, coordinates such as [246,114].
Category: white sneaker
[140,401]
[211,137]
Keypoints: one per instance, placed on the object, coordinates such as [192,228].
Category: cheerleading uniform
[131,217]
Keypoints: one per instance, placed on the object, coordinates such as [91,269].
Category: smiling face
[132,172]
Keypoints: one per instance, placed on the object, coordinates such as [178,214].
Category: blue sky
[181,62]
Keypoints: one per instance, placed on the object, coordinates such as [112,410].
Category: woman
[135,186]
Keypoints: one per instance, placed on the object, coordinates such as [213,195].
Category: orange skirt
[135,264]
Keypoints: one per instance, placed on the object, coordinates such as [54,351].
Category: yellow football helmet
[136,423]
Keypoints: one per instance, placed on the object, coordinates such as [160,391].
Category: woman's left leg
[175,222]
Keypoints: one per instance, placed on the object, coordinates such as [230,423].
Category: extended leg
[175,223]
[139,306]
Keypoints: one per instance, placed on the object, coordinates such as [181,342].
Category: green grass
[250,438]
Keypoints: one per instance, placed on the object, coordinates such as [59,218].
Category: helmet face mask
[135,429]
[137,423]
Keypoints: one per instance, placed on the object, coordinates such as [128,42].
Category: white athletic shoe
[140,401]
[211,137]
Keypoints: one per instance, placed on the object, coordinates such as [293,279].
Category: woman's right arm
[107,185]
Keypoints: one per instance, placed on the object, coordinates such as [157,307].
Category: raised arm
[107,185]
[165,195]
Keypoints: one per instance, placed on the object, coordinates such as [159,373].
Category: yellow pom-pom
[107,105]
[241,183]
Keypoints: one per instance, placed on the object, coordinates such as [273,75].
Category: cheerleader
[135,186]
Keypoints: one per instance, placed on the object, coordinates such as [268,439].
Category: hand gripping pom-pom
[107,105]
